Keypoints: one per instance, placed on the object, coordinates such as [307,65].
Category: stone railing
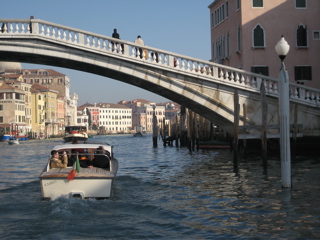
[147,55]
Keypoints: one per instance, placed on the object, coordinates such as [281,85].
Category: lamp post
[282,49]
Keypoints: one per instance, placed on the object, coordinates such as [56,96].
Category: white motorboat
[75,133]
[13,141]
[95,182]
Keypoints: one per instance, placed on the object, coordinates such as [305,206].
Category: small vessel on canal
[13,140]
[138,134]
[75,134]
[76,180]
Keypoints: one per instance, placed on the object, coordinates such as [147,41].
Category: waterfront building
[61,112]
[172,112]
[48,78]
[23,131]
[71,108]
[114,118]
[142,114]
[38,113]
[12,108]
[244,35]
[50,109]
[83,118]
[93,115]
[139,119]
[146,111]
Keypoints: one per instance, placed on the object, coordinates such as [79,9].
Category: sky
[177,26]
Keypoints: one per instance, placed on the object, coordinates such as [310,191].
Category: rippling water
[162,193]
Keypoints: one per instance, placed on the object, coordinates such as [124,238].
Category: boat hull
[12,142]
[75,136]
[53,187]
[89,182]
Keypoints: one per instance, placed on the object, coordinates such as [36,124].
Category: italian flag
[76,168]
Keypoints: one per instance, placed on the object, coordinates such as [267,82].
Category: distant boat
[5,137]
[13,140]
[138,134]
[75,133]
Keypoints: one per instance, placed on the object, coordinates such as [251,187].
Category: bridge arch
[203,87]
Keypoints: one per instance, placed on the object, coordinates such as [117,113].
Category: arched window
[258,36]
[302,36]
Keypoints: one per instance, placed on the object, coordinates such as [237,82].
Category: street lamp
[282,49]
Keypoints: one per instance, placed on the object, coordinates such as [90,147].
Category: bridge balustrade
[208,71]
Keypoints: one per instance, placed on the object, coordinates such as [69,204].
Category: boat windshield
[70,129]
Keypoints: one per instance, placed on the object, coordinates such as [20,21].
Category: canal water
[162,193]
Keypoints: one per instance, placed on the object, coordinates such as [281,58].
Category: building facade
[50,109]
[142,114]
[93,115]
[38,113]
[146,112]
[114,118]
[12,108]
[244,35]
[60,107]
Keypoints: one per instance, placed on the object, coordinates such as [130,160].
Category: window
[238,4]
[257,3]
[228,45]
[316,35]
[1,119]
[9,96]
[1,107]
[302,36]
[219,15]
[264,70]
[212,51]
[212,20]
[301,3]
[227,9]
[239,39]
[302,73]
[258,36]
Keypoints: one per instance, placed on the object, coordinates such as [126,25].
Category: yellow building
[50,109]
[38,113]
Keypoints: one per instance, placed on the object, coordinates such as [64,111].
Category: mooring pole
[236,132]
[154,128]
[264,140]
[284,127]
[282,48]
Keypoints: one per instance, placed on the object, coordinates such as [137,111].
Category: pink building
[244,35]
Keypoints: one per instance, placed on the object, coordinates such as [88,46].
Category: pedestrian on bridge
[140,42]
[115,34]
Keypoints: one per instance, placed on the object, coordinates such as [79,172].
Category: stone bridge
[204,87]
